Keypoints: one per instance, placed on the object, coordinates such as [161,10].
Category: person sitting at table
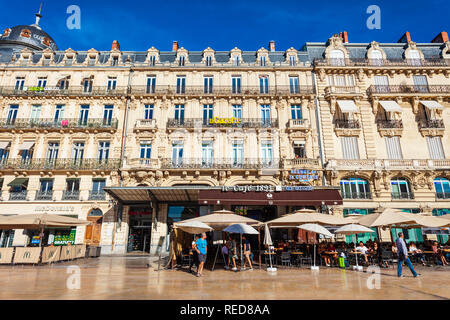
[322,249]
[438,253]
[364,251]
[332,248]
[375,251]
[417,252]
[394,248]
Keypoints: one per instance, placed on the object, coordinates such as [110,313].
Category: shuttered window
[350,148]
[393,148]
[435,148]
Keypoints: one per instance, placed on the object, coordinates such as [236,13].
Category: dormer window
[376,58]
[208,61]
[262,61]
[337,58]
[115,61]
[92,60]
[47,60]
[414,58]
[236,60]
[181,61]
[69,60]
[152,60]
[292,61]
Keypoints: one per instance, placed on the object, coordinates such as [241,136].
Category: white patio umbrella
[268,242]
[315,228]
[351,229]
[241,228]
[194,227]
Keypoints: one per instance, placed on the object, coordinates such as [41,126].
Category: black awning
[19,182]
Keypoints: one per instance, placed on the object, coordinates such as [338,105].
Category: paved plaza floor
[130,278]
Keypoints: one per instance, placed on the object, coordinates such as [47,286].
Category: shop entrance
[94,231]
[140,223]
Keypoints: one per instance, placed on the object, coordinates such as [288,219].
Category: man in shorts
[202,251]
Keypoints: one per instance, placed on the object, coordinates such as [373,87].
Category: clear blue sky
[223,25]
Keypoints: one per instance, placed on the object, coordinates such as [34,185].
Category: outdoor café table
[296,252]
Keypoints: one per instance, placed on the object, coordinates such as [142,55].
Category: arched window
[442,186]
[355,188]
[95,213]
[401,189]
[376,58]
[337,58]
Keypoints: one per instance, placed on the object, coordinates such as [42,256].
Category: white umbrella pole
[314,254]
[242,261]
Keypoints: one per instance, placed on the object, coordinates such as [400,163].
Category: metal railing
[58,124]
[71,195]
[44,195]
[431,124]
[222,122]
[415,89]
[356,195]
[18,195]
[219,163]
[99,91]
[442,195]
[347,124]
[60,164]
[362,62]
[402,195]
[97,195]
[221,90]
[390,124]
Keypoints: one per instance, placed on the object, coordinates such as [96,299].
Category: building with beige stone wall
[160,129]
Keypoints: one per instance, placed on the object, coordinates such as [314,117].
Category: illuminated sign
[218,120]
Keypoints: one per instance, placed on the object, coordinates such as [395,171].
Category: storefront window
[442,239]
[411,235]
[364,237]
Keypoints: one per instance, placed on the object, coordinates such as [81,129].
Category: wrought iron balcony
[60,164]
[221,90]
[44,195]
[390,124]
[72,91]
[97,195]
[356,195]
[219,163]
[18,195]
[431,124]
[58,124]
[409,89]
[442,195]
[347,124]
[222,123]
[362,62]
[402,195]
[71,195]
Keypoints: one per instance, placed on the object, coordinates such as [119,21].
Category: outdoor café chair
[286,259]
[305,259]
[186,260]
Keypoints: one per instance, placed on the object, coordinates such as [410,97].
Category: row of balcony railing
[390,124]
[223,163]
[157,90]
[49,195]
[403,88]
[59,124]
[60,164]
[222,122]
[363,62]
[394,195]
[388,164]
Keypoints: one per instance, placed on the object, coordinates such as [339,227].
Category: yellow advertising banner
[51,254]
[68,253]
[6,255]
[27,255]
[80,251]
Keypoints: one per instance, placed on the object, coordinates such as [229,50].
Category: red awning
[282,198]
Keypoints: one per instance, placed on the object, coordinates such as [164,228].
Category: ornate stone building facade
[145,125]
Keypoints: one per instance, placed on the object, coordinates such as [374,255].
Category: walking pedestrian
[403,257]
[202,251]
[194,261]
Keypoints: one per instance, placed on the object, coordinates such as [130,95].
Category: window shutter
[393,148]
[435,148]
[350,148]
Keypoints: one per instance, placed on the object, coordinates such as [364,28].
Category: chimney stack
[441,37]
[272,46]
[344,36]
[405,38]
[115,45]
[175,46]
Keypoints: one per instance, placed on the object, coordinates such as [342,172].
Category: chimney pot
[115,45]
[441,37]
[175,46]
[406,38]
[344,36]
[272,46]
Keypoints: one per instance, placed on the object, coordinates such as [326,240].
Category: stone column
[159,230]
